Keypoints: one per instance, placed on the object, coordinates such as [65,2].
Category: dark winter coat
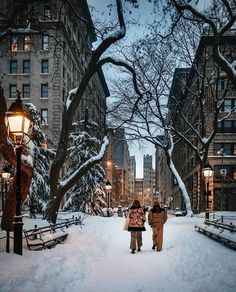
[137,219]
[157,217]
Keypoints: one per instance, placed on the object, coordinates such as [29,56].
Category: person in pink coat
[136,225]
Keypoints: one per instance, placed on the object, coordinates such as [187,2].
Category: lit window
[44,117]
[26,90]
[26,66]
[12,91]
[13,67]
[44,90]
[14,46]
[44,66]
[45,42]
[26,43]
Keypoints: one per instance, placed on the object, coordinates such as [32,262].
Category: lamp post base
[18,223]
[207,214]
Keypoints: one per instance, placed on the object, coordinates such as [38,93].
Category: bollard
[8,242]
[35,228]
[207,214]
[76,223]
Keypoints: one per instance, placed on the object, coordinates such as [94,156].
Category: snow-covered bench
[230,227]
[40,238]
[44,237]
[219,232]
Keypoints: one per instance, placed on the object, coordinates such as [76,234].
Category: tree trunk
[182,188]
[54,206]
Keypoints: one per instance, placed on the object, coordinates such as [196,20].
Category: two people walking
[157,217]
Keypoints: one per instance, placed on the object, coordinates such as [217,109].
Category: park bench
[219,236]
[230,227]
[39,238]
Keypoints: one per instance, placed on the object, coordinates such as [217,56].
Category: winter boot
[133,251]
[154,246]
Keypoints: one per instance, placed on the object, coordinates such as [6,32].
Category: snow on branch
[70,96]
[66,184]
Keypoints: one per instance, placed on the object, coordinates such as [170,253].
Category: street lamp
[6,174]
[207,174]
[222,174]
[18,123]
[108,187]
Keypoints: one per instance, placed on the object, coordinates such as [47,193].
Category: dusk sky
[144,16]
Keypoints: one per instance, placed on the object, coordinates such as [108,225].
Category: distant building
[131,175]
[117,167]
[148,179]
[138,190]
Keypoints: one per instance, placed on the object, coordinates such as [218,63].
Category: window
[228,105]
[47,11]
[44,90]
[26,43]
[45,42]
[12,91]
[229,148]
[13,67]
[227,126]
[223,83]
[44,66]
[14,46]
[230,171]
[26,66]
[44,117]
[26,90]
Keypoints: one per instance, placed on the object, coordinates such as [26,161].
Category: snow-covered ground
[97,258]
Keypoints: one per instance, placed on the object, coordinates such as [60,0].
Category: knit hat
[156,203]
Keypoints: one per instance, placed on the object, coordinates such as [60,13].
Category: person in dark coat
[136,225]
[157,217]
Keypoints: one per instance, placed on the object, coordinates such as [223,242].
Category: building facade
[131,175]
[138,190]
[148,180]
[219,192]
[45,66]
[117,167]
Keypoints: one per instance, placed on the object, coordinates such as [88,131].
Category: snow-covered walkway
[97,258]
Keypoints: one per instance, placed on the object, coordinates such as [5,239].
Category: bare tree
[145,113]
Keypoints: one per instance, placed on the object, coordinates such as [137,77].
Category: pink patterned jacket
[137,219]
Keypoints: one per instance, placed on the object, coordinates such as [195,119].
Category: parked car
[178,212]
[120,211]
[107,212]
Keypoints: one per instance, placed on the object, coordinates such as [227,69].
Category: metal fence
[6,242]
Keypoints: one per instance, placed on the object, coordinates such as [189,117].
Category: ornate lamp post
[207,174]
[222,175]
[108,188]
[18,123]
